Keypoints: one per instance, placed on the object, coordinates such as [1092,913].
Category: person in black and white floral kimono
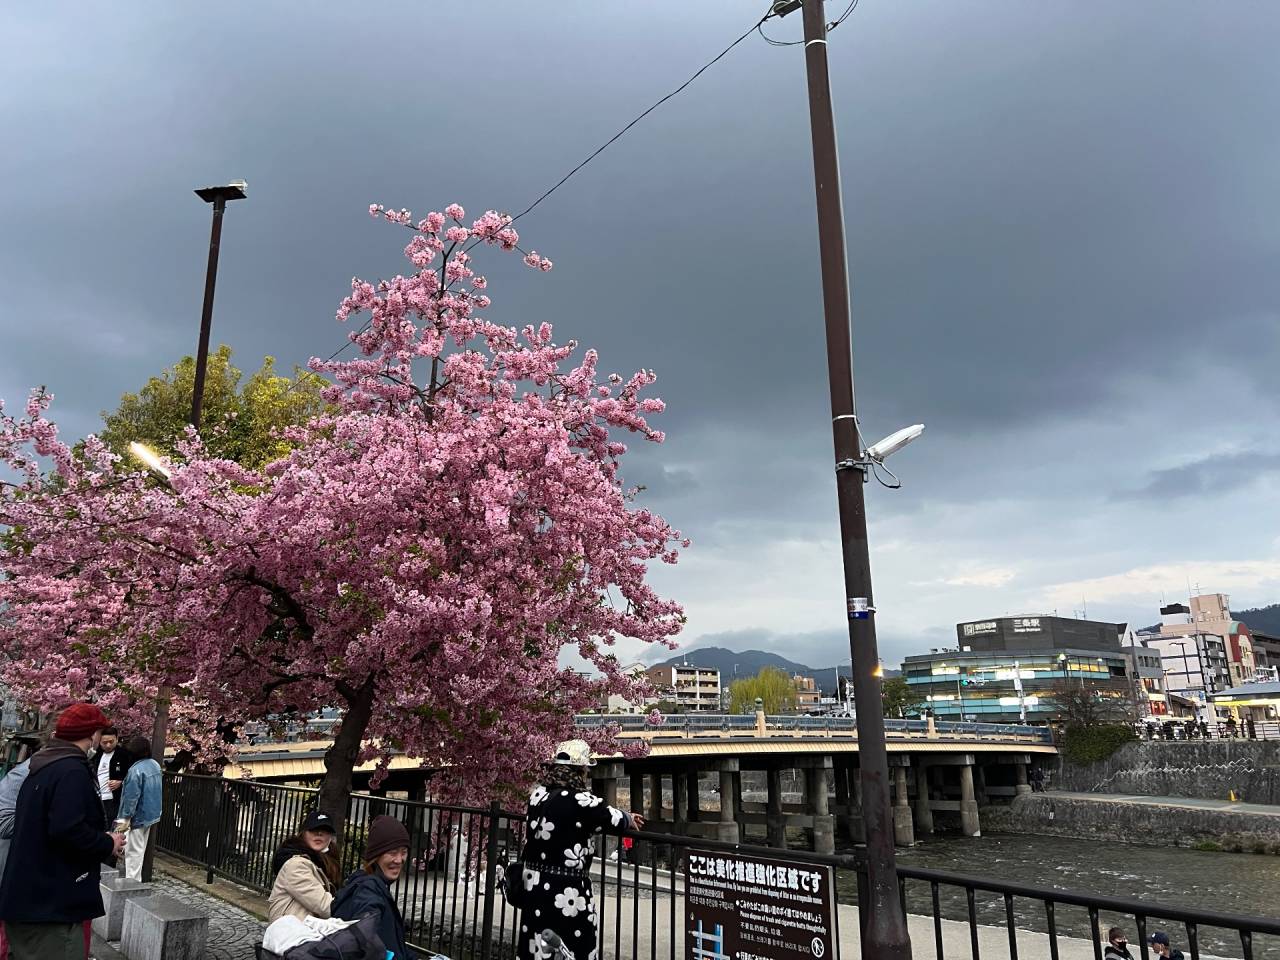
[564,816]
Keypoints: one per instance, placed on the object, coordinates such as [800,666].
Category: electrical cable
[775,43]
[876,466]
[853,5]
[608,143]
[848,11]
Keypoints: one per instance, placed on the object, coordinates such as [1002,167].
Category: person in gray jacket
[9,787]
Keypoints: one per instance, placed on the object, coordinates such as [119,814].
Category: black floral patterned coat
[554,870]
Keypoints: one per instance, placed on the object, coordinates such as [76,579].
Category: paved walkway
[1188,803]
[232,931]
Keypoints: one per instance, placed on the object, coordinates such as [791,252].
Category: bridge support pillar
[846,812]
[980,785]
[1020,779]
[903,831]
[969,824]
[606,786]
[694,794]
[775,822]
[824,825]
[680,802]
[924,812]
[635,793]
[655,797]
[730,800]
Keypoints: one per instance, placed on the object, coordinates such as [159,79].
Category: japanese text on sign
[748,908]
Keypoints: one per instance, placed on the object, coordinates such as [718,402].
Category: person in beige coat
[307,871]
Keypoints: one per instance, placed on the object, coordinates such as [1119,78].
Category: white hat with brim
[573,753]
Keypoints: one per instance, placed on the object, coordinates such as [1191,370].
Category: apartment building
[691,687]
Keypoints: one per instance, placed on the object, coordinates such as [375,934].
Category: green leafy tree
[1084,708]
[898,697]
[240,422]
[771,685]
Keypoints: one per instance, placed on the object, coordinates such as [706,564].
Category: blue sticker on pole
[859,609]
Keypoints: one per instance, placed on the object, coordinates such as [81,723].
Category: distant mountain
[751,662]
[748,662]
[1261,619]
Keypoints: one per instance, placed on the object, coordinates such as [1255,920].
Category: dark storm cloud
[1208,477]
[1057,217]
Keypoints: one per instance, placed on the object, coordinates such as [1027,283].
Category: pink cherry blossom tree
[421,559]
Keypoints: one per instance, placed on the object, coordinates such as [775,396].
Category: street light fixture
[218,196]
[891,444]
[151,459]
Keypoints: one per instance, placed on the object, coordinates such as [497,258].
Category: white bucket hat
[573,753]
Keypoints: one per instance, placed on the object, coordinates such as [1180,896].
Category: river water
[1221,882]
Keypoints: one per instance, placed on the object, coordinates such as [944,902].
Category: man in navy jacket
[50,883]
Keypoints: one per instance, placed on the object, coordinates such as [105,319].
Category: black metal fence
[449,899]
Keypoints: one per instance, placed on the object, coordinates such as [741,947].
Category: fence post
[490,881]
[215,833]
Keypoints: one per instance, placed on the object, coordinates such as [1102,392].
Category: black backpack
[360,941]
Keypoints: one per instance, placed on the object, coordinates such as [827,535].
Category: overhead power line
[757,26]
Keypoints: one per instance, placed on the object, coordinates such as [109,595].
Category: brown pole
[160,731]
[206,314]
[884,927]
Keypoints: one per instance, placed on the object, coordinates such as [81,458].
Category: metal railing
[1216,730]
[449,899]
[447,894]
[979,902]
[679,723]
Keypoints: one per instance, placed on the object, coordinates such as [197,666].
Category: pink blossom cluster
[421,559]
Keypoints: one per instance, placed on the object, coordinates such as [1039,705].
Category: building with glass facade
[994,677]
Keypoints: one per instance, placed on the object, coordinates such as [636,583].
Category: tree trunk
[340,759]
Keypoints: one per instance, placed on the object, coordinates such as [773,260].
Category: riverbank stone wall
[1208,770]
[1047,814]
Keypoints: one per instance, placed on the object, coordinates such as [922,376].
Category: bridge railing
[800,723]
[451,904]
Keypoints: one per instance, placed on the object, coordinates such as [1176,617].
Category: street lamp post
[218,196]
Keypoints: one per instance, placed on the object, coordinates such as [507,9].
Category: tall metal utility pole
[884,927]
[218,196]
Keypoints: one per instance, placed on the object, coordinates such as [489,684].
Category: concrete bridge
[733,777]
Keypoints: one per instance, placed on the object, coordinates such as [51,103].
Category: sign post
[743,907]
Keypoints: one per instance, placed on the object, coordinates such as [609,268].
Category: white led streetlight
[894,442]
[150,459]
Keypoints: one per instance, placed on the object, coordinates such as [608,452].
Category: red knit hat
[79,721]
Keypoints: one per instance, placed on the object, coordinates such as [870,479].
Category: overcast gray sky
[1063,253]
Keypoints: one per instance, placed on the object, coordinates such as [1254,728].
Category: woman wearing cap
[368,890]
[564,816]
[307,871]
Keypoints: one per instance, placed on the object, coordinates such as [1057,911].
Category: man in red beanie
[50,884]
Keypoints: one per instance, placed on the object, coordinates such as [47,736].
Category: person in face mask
[1117,946]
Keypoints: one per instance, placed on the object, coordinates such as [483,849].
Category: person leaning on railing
[564,816]
[307,871]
